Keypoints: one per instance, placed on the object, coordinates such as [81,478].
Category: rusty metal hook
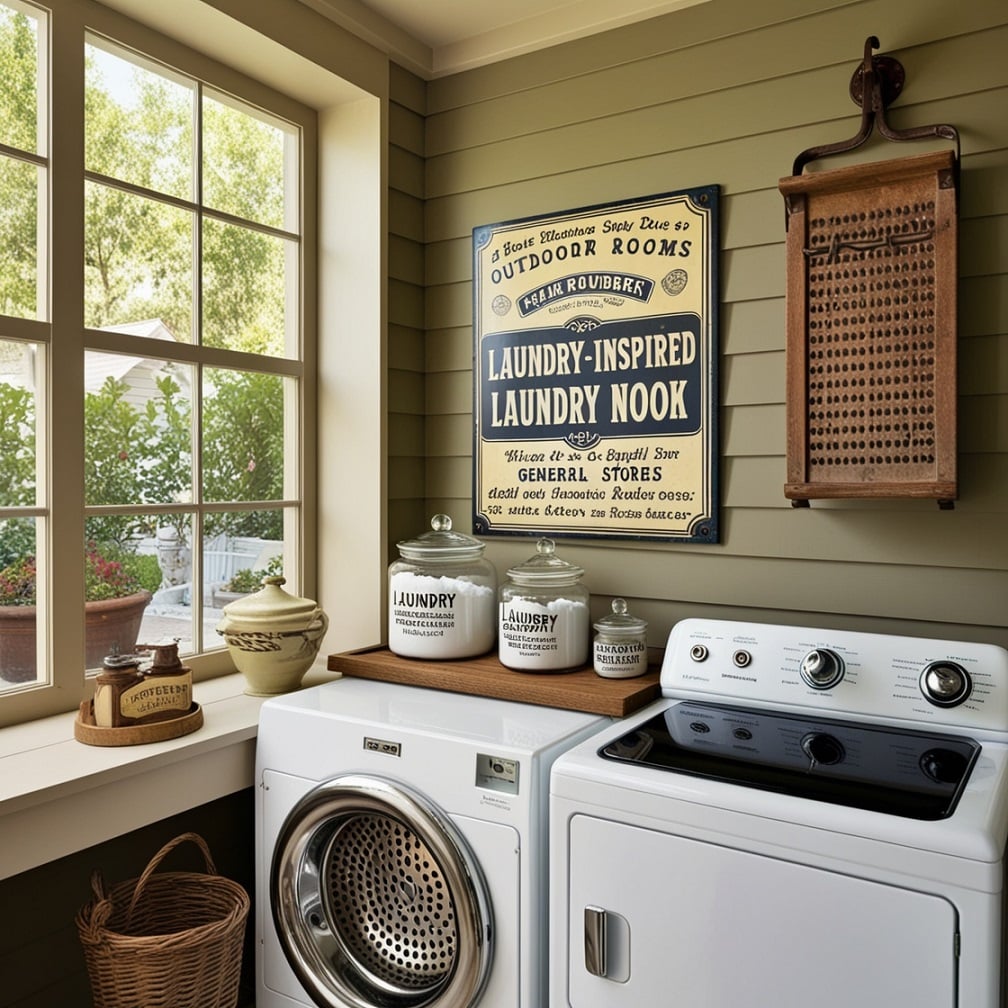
[877,81]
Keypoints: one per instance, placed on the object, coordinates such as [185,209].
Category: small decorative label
[158,695]
[621,661]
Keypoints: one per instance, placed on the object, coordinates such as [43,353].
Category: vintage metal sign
[595,375]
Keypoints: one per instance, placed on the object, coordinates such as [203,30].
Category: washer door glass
[378,900]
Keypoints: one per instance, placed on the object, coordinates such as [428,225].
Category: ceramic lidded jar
[442,596]
[273,637]
[543,614]
[620,648]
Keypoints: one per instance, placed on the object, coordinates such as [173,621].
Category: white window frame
[61,609]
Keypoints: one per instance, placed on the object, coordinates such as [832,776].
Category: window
[152,374]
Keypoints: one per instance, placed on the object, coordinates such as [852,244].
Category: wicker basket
[171,940]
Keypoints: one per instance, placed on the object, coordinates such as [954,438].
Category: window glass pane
[243,440]
[137,436]
[20,117]
[245,289]
[138,123]
[137,262]
[17,424]
[18,653]
[21,285]
[244,164]
[240,548]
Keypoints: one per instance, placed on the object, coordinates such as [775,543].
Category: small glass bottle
[119,673]
[543,614]
[620,649]
[442,596]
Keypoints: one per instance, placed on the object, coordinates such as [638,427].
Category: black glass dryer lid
[913,774]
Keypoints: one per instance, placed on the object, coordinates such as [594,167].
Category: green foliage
[17,539]
[248,580]
[17,446]
[109,572]
[17,582]
[243,451]
[18,179]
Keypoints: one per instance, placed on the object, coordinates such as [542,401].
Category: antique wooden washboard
[872,269]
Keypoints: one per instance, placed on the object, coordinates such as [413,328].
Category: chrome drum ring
[378,900]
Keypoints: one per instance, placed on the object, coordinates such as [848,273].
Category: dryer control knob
[823,749]
[944,765]
[945,684]
[822,669]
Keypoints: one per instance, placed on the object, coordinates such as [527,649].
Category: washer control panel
[953,683]
[497,773]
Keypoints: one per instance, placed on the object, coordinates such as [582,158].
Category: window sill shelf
[58,796]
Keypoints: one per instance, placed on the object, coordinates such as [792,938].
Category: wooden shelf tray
[580,690]
[86,731]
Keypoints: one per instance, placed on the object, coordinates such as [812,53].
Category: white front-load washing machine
[401,847]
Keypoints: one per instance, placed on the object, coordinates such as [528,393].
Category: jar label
[620,661]
[536,636]
[157,695]
[433,617]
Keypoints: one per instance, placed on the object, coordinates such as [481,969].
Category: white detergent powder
[540,638]
[440,617]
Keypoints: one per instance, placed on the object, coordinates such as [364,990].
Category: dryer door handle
[595,927]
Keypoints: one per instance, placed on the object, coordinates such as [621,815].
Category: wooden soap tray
[86,731]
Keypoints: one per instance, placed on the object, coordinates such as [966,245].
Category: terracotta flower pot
[107,623]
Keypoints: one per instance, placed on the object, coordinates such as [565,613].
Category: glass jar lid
[620,622]
[441,543]
[545,567]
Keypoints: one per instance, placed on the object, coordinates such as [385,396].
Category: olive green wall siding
[406,363]
[729,92]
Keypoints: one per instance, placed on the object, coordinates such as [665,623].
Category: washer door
[378,900]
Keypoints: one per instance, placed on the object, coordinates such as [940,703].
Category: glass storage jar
[442,596]
[543,614]
[620,648]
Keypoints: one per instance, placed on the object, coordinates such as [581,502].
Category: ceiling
[438,37]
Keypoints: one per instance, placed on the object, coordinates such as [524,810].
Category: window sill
[58,796]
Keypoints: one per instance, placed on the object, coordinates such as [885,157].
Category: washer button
[741,658]
[699,653]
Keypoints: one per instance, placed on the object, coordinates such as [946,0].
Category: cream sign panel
[595,371]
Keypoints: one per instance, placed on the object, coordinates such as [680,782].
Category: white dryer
[401,847]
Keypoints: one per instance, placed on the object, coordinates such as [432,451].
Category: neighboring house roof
[139,374]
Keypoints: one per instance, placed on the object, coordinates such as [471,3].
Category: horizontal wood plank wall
[406,354]
[729,92]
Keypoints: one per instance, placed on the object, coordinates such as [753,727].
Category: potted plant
[118,583]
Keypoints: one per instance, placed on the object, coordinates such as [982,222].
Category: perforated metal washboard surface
[871,330]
